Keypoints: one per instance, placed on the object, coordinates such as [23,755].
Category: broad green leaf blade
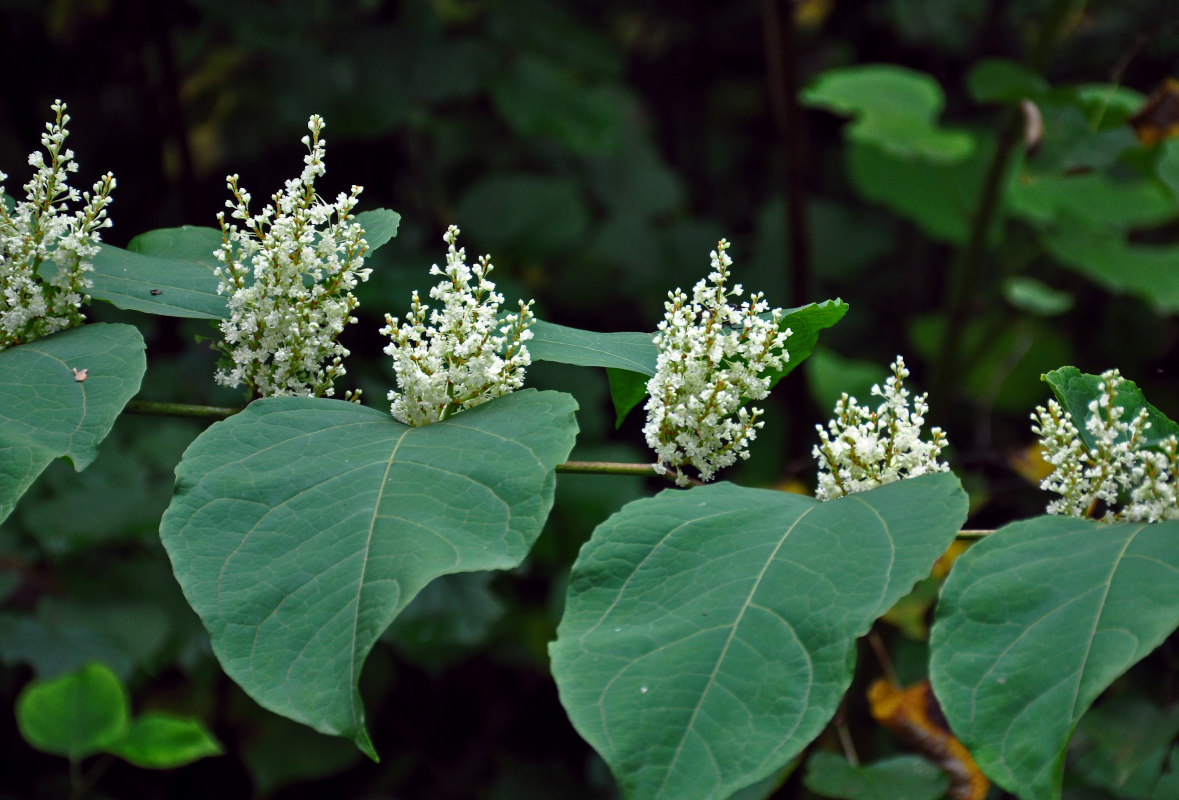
[634,352]
[380,225]
[630,358]
[805,323]
[997,80]
[180,284]
[709,634]
[1110,260]
[157,740]
[1075,390]
[75,715]
[1034,622]
[932,196]
[170,271]
[896,109]
[46,414]
[908,777]
[301,527]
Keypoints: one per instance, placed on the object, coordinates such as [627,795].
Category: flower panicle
[861,448]
[1123,477]
[714,356]
[45,248]
[462,353]
[289,271]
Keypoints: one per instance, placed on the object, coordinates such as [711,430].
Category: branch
[186,410]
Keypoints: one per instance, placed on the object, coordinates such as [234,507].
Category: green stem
[606,468]
[964,280]
[149,408]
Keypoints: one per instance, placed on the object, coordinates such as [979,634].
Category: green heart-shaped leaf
[46,413]
[709,634]
[1034,622]
[301,527]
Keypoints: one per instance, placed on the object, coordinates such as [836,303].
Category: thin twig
[187,410]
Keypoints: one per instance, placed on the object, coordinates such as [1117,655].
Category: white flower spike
[36,299]
[712,358]
[289,272]
[861,449]
[1120,474]
[450,359]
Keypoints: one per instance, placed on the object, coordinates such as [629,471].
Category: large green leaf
[45,413]
[709,634]
[178,284]
[907,777]
[896,109]
[1034,622]
[157,740]
[301,527]
[634,352]
[1108,258]
[74,715]
[1075,390]
[630,358]
[170,271]
[938,198]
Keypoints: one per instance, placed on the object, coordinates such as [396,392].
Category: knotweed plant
[289,271]
[45,248]
[713,358]
[861,449]
[452,358]
[1125,476]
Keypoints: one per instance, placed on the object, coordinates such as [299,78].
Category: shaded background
[597,151]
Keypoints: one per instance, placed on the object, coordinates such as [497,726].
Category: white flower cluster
[37,299]
[712,359]
[1122,467]
[862,449]
[289,271]
[457,357]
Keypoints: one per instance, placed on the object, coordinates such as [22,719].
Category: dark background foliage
[597,151]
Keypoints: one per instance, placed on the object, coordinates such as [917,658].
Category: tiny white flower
[44,249]
[861,449]
[462,354]
[289,272]
[711,355]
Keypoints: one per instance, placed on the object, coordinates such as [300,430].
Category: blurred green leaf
[536,216]
[1034,622]
[157,740]
[75,715]
[449,617]
[1146,271]
[1122,745]
[1075,390]
[896,109]
[695,666]
[1071,142]
[829,376]
[1036,297]
[908,777]
[64,634]
[937,198]
[301,527]
[46,413]
[1168,166]
[997,80]
[1094,200]
[540,98]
